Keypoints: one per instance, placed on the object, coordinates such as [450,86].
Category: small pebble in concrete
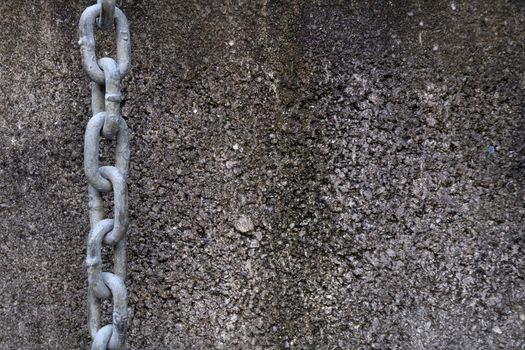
[244,224]
[497,330]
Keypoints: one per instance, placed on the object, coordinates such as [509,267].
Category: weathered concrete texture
[305,175]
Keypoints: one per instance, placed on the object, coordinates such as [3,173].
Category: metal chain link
[106,75]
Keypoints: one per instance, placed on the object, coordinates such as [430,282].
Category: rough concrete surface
[305,175]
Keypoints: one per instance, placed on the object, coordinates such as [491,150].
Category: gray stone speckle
[244,224]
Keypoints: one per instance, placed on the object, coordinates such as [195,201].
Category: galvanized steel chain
[106,74]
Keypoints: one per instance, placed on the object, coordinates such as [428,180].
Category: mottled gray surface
[305,175]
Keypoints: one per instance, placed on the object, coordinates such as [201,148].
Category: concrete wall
[355,136]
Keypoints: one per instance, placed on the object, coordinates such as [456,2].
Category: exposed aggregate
[304,175]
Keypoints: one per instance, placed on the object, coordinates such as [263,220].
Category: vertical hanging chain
[106,75]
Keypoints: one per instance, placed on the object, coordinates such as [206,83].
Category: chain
[106,74]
